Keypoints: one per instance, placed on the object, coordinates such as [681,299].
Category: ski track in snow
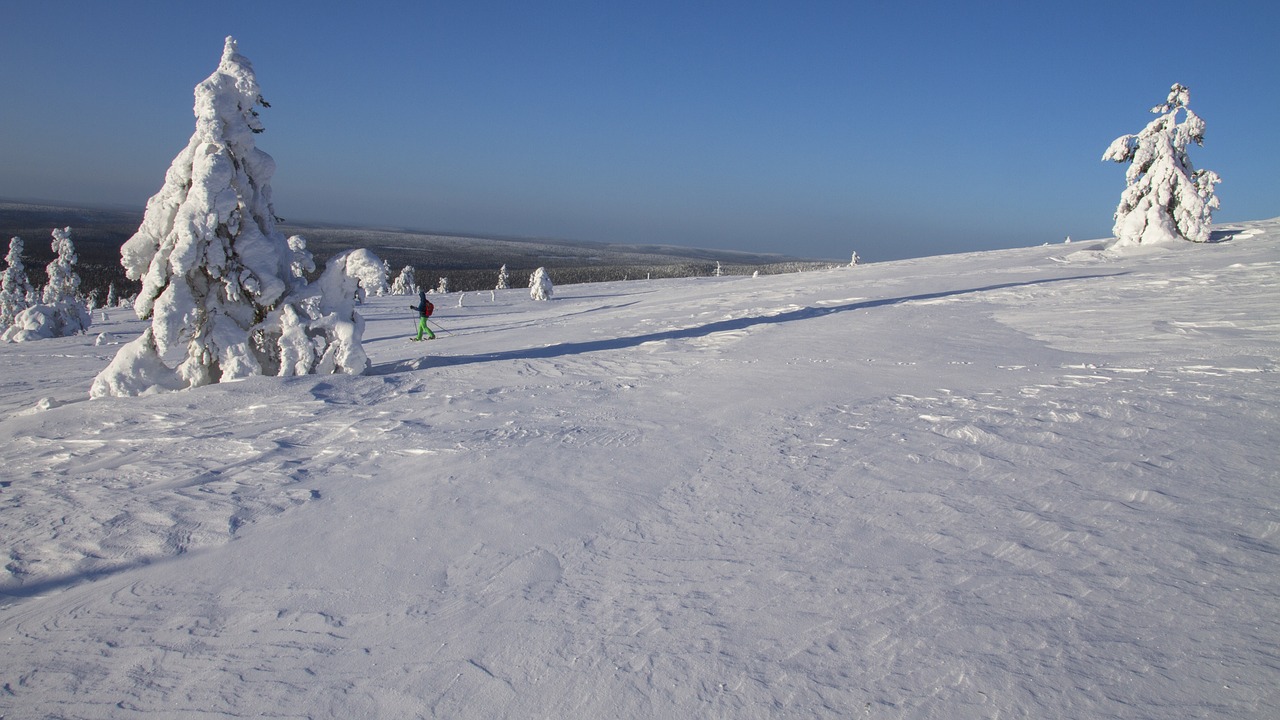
[1027,483]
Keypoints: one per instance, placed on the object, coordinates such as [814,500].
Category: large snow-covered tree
[1166,198]
[211,261]
[16,293]
[216,273]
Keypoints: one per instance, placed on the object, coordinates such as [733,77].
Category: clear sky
[894,128]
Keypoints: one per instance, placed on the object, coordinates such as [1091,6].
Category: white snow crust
[1040,482]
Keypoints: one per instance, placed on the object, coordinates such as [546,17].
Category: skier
[425,308]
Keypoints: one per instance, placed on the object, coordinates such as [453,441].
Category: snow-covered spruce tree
[1166,199]
[64,282]
[540,287]
[61,311]
[320,330]
[386,273]
[404,283]
[302,262]
[377,284]
[223,289]
[503,279]
[15,287]
[211,261]
[855,260]
[443,287]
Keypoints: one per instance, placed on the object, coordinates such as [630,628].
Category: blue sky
[895,129]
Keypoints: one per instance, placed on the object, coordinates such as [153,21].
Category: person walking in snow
[425,308]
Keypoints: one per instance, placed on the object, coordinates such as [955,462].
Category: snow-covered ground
[1041,482]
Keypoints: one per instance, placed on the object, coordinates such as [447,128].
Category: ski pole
[433,322]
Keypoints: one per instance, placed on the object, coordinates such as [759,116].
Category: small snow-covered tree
[302,261]
[321,331]
[15,288]
[503,279]
[443,287]
[853,262]
[64,282]
[540,287]
[41,321]
[377,284]
[222,288]
[61,311]
[404,283]
[719,269]
[386,273]
[1165,199]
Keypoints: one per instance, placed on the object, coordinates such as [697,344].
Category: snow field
[1027,483]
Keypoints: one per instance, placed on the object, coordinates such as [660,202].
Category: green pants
[422,328]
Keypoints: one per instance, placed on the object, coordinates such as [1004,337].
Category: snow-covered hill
[1040,482]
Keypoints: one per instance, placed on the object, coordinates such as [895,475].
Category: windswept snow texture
[1041,482]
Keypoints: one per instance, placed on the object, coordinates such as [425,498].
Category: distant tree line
[99,266]
[470,266]
[474,280]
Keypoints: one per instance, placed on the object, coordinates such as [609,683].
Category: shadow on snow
[469,330]
[11,596]
[807,313]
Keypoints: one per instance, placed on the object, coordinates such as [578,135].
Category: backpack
[428,308]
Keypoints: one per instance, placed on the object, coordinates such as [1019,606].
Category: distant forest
[469,263]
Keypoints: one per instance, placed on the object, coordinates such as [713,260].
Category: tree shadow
[577,348]
[13,595]
[468,329]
